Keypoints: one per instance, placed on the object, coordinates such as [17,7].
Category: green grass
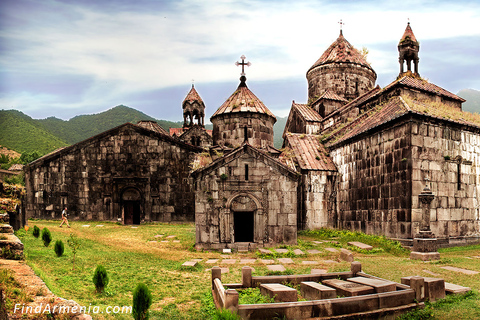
[130,257]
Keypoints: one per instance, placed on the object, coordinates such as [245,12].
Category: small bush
[100,278]
[225,314]
[142,299]
[59,248]
[36,231]
[46,237]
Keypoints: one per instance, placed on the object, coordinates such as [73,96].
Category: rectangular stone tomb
[279,292]
[348,289]
[434,287]
[311,290]
[360,245]
[379,285]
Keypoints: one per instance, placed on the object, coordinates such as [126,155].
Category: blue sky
[64,58]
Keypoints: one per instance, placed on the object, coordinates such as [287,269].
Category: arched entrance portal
[246,212]
[131,199]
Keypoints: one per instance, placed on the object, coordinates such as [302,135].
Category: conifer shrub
[59,248]
[46,237]
[142,299]
[100,278]
[36,231]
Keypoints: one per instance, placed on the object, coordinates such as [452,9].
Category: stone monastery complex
[355,156]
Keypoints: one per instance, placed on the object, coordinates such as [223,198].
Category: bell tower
[408,48]
[193,109]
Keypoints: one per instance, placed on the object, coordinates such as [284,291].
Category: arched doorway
[245,212]
[131,200]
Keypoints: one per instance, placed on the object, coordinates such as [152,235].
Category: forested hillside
[21,133]
[85,126]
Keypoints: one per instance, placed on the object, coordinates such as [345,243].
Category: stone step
[6,228]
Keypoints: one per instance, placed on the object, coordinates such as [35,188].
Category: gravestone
[379,285]
[348,289]
[279,292]
[313,291]
[360,245]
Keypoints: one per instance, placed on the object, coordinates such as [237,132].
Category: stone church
[355,156]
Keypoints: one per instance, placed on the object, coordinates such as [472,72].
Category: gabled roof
[341,51]
[151,125]
[238,152]
[408,34]
[330,95]
[196,127]
[191,97]
[16,167]
[417,83]
[176,131]
[309,153]
[82,144]
[243,100]
[306,112]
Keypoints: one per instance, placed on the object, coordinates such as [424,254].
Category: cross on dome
[243,64]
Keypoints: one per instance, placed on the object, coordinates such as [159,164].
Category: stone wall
[95,178]
[223,191]
[317,198]
[229,129]
[374,190]
[447,154]
[347,80]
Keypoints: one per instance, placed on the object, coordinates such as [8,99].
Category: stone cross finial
[341,23]
[243,64]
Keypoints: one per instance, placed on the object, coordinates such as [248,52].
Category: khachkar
[425,242]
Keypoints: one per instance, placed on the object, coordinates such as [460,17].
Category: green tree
[142,299]
[100,278]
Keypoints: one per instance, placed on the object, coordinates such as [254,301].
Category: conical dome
[341,51]
[243,118]
[343,70]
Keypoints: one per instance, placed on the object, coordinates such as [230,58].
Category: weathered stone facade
[245,198]
[128,173]
[386,145]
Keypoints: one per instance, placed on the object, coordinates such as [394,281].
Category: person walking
[64,218]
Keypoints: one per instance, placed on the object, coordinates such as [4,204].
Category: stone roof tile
[243,100]
[192,96]
[151,125]
[306,112]
[408,34]
[310,154]
[341,51]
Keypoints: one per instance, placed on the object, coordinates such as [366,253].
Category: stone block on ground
[314,291]
[285,260]
[298,252]
[170,237]
[424,256]
[197,260]
[229,261]
[276,267]
[267,261]
[264,251]
[379,285]
[332,250]
[461,270]
[318,242]
[211,261]
[348,289]
[434,287]
[330,261]
[248,261]
[158,236]
[282,250]
[314,251]
[189,264]
[360,245]
[279,292]
[451,288]
[346,255]
[227,250]
[86,226]
[309,262]
[314,271]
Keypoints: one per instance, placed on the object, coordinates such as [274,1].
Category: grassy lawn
[130,256]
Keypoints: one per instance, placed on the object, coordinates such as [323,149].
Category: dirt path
[43,299]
